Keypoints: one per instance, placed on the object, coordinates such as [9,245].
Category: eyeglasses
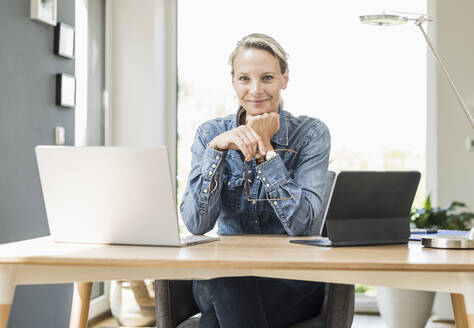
[265,199]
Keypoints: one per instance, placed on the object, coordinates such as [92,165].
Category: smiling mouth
[258,101]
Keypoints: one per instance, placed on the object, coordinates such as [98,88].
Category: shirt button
[263,178]
[217,157]
[205,191]
[256,221]
[210,172]
[249,180]
[267,185]
[254,202]
[275,203]
[228,183]
[249,171]
[258,177]
[259,171]
[213,165]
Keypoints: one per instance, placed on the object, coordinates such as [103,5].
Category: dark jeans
[256,302]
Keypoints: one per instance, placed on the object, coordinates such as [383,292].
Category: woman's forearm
[201,202]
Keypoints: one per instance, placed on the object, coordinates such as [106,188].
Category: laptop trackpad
[314,242]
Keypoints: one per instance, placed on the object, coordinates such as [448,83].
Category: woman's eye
[267,78]
[243,78]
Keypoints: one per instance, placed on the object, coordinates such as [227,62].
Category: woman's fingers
[241,142]
[260,146]
[252,139]
[245,139]
[249,141]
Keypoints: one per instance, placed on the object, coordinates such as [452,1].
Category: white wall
[141,73]
[450,168]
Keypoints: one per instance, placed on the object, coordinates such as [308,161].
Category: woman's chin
[253,109]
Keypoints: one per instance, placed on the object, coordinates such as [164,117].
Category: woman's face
[257,81]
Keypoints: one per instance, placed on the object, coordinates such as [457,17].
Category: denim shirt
[301,174]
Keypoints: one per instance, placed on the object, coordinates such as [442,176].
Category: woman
[259,171]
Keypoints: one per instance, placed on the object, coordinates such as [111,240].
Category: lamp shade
[383,20]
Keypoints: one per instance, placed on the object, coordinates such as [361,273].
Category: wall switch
[469,144]
[44,11]
[59,135]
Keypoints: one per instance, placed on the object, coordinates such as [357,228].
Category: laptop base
[196,239]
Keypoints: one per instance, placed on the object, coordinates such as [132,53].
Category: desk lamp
[398,18]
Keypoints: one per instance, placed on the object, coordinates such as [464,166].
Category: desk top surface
[245,252]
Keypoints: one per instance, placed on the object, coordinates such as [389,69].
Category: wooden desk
[41,261]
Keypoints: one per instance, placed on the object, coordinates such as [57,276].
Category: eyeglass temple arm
[443,68]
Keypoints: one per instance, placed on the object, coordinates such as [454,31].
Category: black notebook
[368,208]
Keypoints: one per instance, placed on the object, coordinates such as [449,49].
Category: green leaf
[441,218]
[455,205]
[428,202]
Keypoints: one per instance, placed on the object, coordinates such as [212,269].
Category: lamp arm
[451,82]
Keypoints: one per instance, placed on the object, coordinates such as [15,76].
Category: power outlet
[59,135]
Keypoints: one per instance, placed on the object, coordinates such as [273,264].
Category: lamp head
[393,18]
[383,19]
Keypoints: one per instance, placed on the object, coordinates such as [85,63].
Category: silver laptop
[110,195]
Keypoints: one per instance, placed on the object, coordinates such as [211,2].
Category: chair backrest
[174,302]
[316,228]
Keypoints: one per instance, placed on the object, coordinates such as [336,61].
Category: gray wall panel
[28,116]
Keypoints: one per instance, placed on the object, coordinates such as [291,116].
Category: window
[368,84]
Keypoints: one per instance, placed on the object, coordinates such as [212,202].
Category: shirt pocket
[232,191]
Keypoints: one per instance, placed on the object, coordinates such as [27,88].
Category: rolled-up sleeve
[200,205]
[297,197]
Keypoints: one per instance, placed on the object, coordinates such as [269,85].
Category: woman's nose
[256,87]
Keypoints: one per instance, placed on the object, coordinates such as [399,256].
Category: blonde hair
[262,42]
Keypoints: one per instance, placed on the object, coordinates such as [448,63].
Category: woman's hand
[265,125]
[242,138]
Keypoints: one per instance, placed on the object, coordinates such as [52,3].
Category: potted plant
[411,308]
[447,218]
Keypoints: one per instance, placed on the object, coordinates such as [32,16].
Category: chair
[175,302]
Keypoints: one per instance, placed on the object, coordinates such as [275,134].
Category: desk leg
[81,300]
[4,314]
[464,315]
[7,291]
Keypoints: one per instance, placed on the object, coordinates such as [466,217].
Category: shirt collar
[281,137]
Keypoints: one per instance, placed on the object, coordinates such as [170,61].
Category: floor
[375,321]
[360,321]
